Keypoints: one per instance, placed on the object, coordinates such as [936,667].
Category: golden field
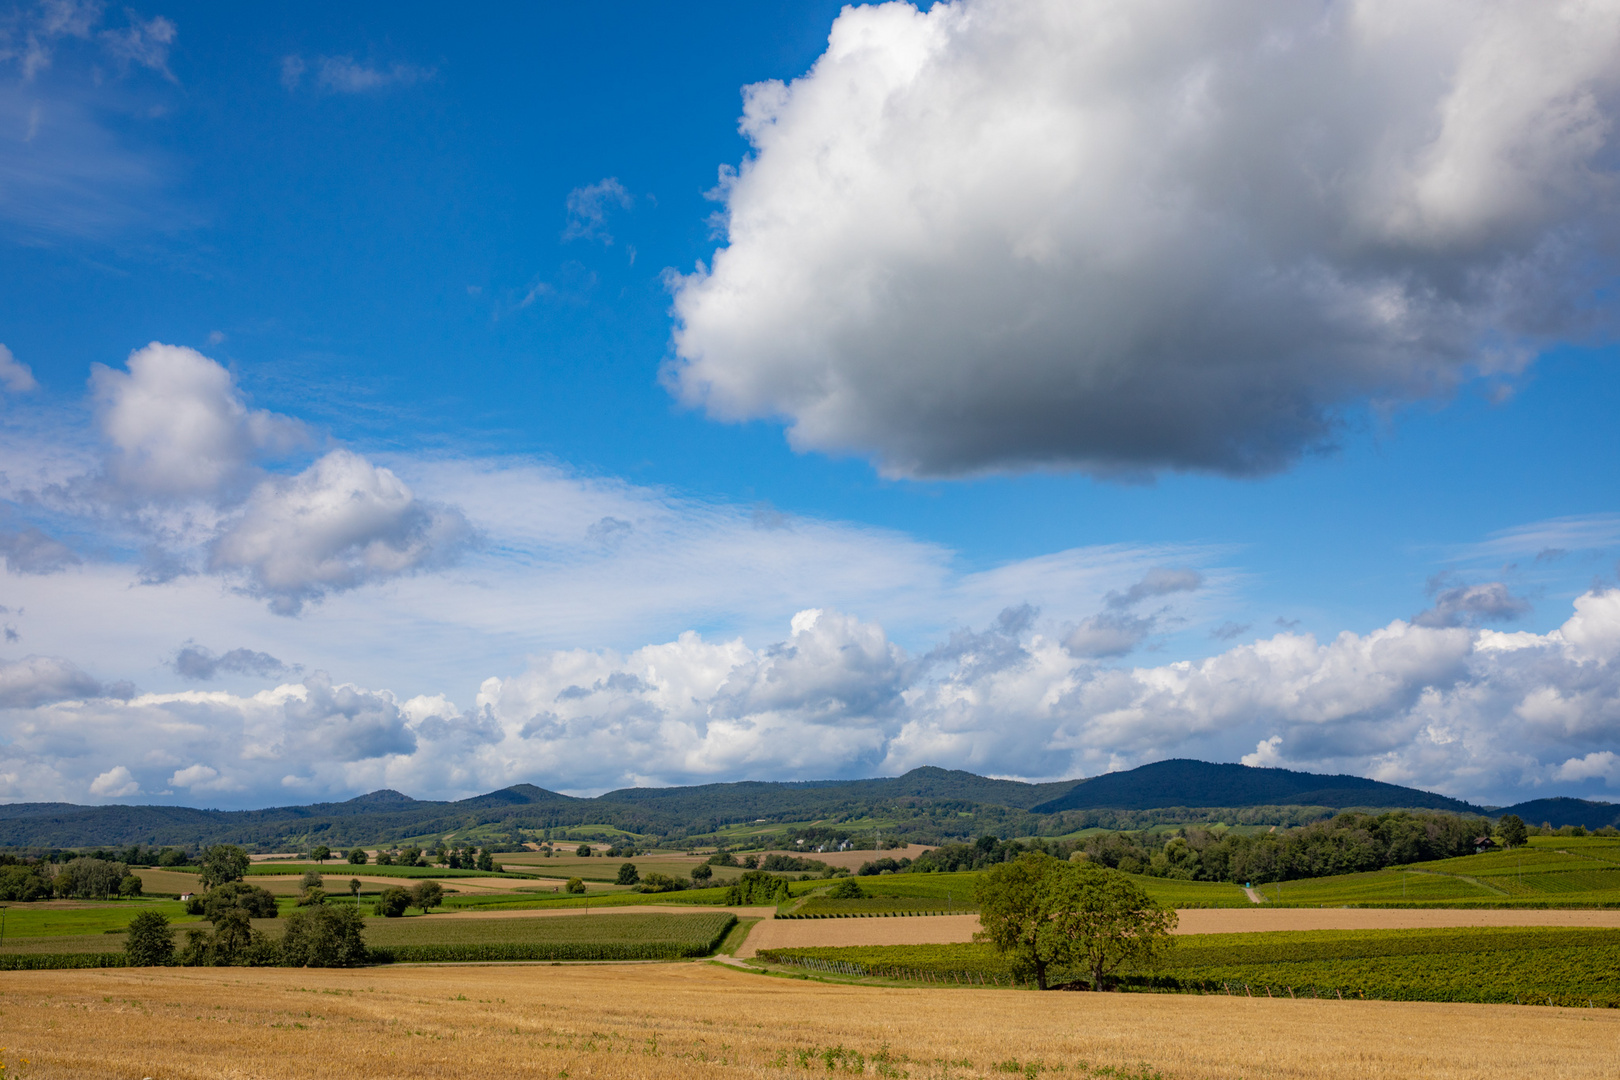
[690,1019]
[952,929]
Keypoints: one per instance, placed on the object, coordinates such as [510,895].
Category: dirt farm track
[703,1019]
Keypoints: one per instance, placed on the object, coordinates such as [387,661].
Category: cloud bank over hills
[1470,713]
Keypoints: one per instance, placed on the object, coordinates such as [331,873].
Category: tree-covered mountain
[926,804]
[1559,812]
[1181,782]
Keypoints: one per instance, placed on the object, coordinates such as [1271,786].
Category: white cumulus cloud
[1126,236]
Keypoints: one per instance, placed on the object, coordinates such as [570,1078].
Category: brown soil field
[948,929]
[625,909]
[683,1020]
[851,860]
[904,930]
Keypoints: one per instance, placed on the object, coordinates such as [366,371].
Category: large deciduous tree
[1044,913]
[223,863]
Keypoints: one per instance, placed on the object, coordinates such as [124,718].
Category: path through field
[700,1019]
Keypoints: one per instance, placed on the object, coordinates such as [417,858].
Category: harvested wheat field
[760,912]
[953,929]
[679,1020]
[850,860]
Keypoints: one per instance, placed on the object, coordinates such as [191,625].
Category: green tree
[320,853]
[1512,830]
[357,857]
[628,874]
[486,862]
[311,880]
[428,895]
[847,889]
[354,887]
[1101,919]
[393,902]
[1012,913]
[326,936]
[576,885]
[312,897]
[129,886]
[223,863]
[702,872]
[757,887]
[149,942]
[255,902]
[584,851]
[24,883]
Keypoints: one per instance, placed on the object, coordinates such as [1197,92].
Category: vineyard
[1579,872]
[819,907]
[597,937]
[1528,966]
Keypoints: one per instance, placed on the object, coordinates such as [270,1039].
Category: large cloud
[1474,713]
[1123,236]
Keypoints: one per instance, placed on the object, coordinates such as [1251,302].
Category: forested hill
[927,804]
[1181,782]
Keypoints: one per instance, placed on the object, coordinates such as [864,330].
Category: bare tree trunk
[1040,974]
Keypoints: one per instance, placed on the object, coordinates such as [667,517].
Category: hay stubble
[666,1020]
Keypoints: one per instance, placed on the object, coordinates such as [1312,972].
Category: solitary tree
[1102,919]
[148,942]
[320,853]
[357,857]
[1041,912]
[702,872]
[311,880]
[628,874]
[427,895]
[1512,830]
[584,851]
[354,887]
[576,885]
[223,863]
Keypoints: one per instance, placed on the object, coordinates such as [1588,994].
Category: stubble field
[668,1020]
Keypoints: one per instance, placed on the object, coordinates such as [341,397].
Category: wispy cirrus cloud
[346,75]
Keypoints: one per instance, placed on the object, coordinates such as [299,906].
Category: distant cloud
[589,207]
[345,75]
[1471,605]
[41,680]
[199,663]
[339,524]
[15,376]
[1160,581]
[1228,630]
[1004,235]
[145,43]
[115,783]
[177,426]
[30,551]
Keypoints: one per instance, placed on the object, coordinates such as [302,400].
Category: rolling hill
[925,804]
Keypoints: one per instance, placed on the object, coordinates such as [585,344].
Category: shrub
[628,874]
[312,898]
[847,889]
[702,872]
[656,883]
[757,887]
[393,902]
[584,851]
[149,942]
[326,936]
[575,885]
[311,880]
[254,902]
[357,857]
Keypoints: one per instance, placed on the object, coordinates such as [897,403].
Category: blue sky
[508,379]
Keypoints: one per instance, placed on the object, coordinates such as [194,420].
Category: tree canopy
[1042,913]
